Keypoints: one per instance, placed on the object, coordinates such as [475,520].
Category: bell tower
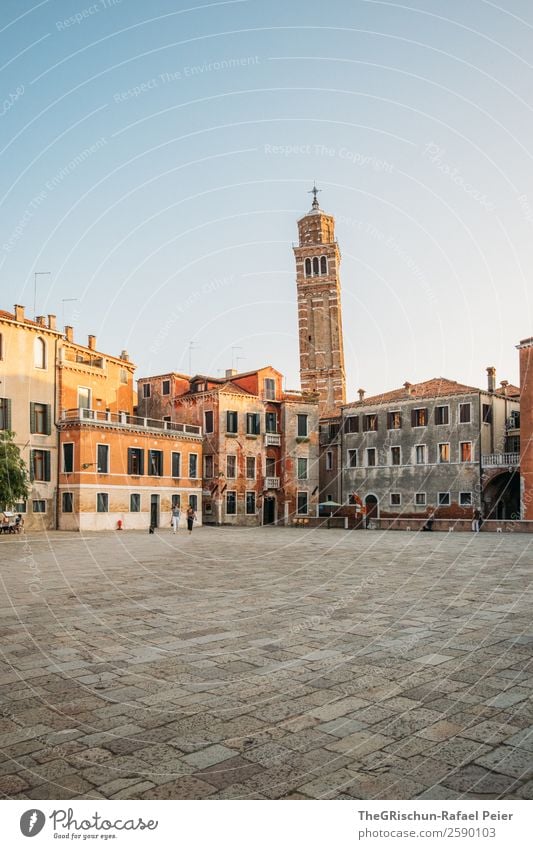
[319,308]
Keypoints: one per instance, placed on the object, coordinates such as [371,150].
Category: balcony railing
[509,459]
[272,483]
[81,414]
[272,439]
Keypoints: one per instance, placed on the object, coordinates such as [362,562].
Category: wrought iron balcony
[508,460]
[103,417]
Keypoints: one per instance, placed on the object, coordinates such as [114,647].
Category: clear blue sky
[156,156]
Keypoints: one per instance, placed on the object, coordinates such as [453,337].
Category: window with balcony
[135,461]
[176,464]
[231,503]
[5,413]
[351,424]
[193,465]
[68,457]
[352,458]
[250,503]
[370,422]
[466,452]
[302,468]
[135,502]
[269,388]
[208,465]
[465,414]
[270,467]
[302,424]
[250,468]
[66,502]
[396,455]
[231,466]
[102,459]
[442,415]
[102,502]
[232,421]
[419,417]
[302,503]
[271,422]
[39,465]
[155,463]
[394,420]
[253,424]
[84,398]
[208,421]
[40,418]
[371,456]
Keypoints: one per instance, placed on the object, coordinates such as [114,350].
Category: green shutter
[141,461]
[46,465]
[32,466]
[33,426]
[48,425]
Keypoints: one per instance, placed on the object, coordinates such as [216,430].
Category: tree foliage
[14,483]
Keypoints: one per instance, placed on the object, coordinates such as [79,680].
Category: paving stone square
[266,663]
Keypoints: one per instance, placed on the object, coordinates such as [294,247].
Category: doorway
[372,511]
[154,511]
[269,510]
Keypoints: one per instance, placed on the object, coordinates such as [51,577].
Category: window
[269,388]
[271,422]
[193,465]
[176,464]
[66,502]
[395,499]
[308,267]
[302,503]
[333,430]
[5,414]
[208,421]
[396,455]
[19,507]
[323,265]
[370,422]
[250,503]
[68,457]
[39,353]
[487,413]
[253,425]
[231,503]
[351,424]
[40,418]
[84,398]
[302,424]
[419,417]
[371,456]
[352,458]
[442,415]
[444,452]
[303,464]
[147,390]
[155,463]
[208,466]
[465,499]
[443,499]
[135,461]
[250,468]
[102,459]
[39,465]
[231,421]
[39,506]
[329,461]
[135,502]
[176,500]
[193,501]
[165,387]
[315,266]
[420,455]
[231,466]
[102,502]
[420,499]
[123,375]
[394,420]
[466,452]
[270,467]
[464,413]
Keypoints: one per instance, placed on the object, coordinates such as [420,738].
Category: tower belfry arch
[319,308]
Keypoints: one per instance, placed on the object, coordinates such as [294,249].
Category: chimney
[361,393]
[51,322]
[125,356]
[491,378]
[230,372]
[19,313]
[407,387]
[504,384]
[92,342]
[69,333]
[40,319]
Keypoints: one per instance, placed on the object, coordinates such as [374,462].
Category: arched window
[39,353]
[315,266]
[323,265]
[308,267]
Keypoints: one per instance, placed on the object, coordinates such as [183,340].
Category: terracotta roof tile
[435,388]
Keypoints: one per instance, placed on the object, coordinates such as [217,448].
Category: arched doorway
[269,510]
[501,496]
[372,509]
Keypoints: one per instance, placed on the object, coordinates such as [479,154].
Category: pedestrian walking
[191,516]
[175,520]
[476,521]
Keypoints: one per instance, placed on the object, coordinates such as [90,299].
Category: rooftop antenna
[192,346]
[35,276]
[63,302]
[233,358]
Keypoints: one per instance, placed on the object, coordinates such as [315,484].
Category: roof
[435,388]
[511,391]
[11,317]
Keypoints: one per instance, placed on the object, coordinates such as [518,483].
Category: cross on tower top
[314,191]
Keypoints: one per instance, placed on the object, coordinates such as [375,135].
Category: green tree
[14,484]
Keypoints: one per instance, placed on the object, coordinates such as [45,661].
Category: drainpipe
[57,373]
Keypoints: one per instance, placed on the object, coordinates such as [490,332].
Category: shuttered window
[5,413]
[40,418]
[39,465]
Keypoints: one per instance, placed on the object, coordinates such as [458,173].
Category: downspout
[57,395]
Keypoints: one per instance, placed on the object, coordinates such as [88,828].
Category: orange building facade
[526,427]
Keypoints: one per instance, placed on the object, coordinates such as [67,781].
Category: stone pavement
[266,663]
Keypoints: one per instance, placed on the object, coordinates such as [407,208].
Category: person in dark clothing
[191,516]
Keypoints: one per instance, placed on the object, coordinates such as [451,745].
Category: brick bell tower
[319,308]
